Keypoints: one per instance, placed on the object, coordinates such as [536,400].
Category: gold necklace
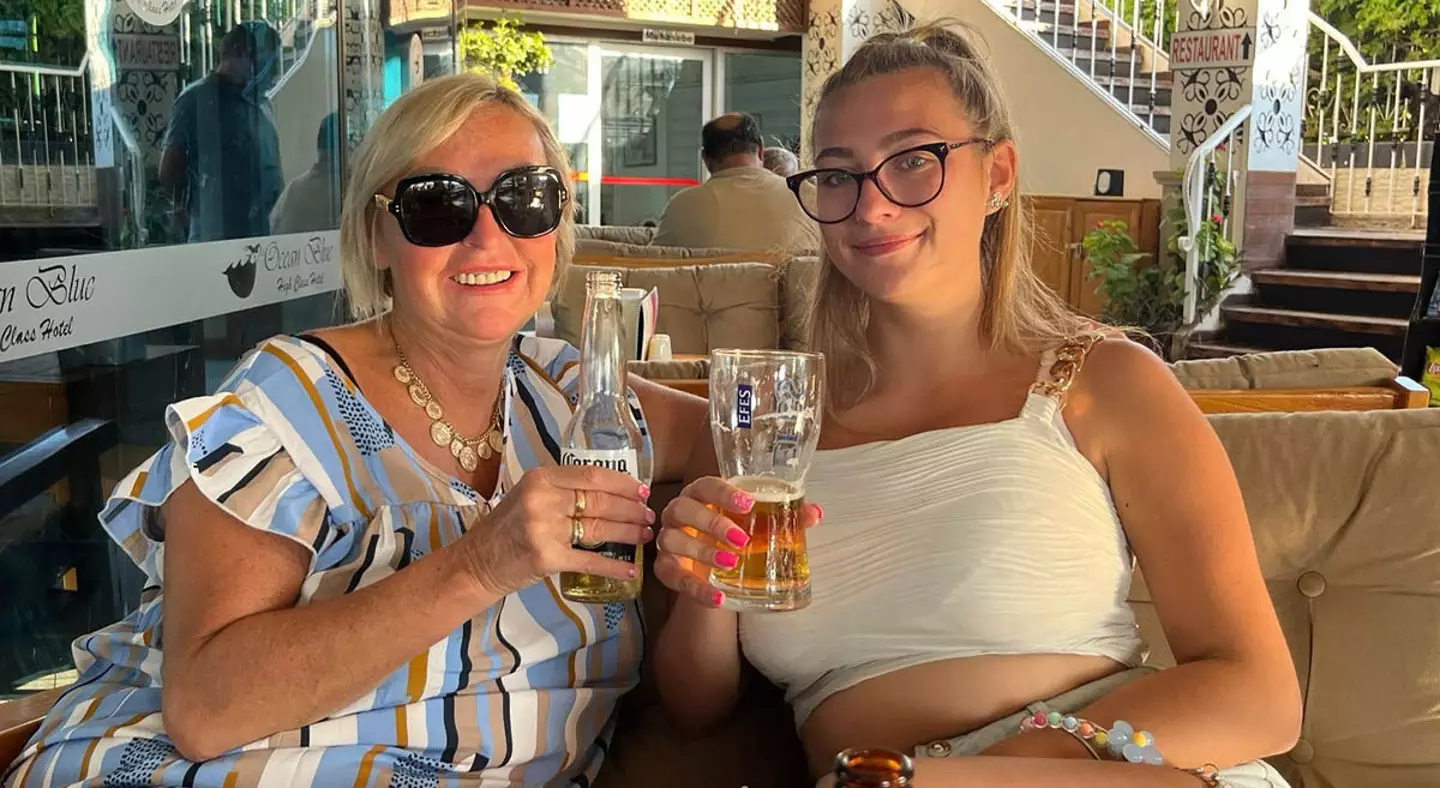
[467,451]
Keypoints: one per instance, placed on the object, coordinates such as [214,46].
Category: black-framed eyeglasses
[440,209]
[909,178]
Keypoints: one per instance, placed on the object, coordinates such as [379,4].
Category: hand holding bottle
[537,529]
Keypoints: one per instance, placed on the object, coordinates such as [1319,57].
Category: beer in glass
[765,409]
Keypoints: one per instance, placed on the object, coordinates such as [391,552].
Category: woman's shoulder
[546,362]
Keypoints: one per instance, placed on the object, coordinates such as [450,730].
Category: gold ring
[579,503]
[577,535]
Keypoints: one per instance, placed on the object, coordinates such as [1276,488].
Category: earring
[996,202]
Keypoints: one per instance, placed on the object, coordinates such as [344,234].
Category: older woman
[351,547]
[992,467]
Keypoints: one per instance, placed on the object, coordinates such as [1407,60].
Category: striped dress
[520,695]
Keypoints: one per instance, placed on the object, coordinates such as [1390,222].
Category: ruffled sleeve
[242,462]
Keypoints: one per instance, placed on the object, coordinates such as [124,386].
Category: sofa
[1344,509]
[1348,544]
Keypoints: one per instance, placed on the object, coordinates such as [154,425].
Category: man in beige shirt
[743,205]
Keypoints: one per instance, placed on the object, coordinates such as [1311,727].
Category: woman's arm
[241,661]
[1234,696]
[1041,773]
[697,653]
[679,427]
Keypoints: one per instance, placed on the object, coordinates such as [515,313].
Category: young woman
[991,469]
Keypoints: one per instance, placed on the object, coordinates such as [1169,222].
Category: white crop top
[989,539]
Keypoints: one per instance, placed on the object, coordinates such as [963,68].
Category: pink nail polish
[648,534]
[742,502]
[650,516]
[726,559]
[717,599]
[737,537]
[644,492]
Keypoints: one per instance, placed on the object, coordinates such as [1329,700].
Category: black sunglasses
[910,178]
[441,209]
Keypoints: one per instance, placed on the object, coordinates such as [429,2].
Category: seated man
[781,162]
[743,205]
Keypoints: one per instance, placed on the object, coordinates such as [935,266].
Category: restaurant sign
[57,303]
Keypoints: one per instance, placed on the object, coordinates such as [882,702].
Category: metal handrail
[47,71]
[1361,64]
[1193,192]
[137,173]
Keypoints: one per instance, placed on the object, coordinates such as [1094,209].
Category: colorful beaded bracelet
[1121,741]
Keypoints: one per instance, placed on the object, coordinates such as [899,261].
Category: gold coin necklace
[466,451]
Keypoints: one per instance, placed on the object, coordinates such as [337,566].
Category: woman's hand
[696,537]
[528,536]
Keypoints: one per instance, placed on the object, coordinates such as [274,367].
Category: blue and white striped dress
[520,695]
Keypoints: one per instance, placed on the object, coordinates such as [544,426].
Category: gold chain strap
[1069,357]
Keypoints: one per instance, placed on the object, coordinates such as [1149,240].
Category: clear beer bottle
[873,768]
[603,430]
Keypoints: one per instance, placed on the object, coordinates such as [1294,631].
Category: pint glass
[765,408]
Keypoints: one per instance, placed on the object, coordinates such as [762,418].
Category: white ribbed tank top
[988,539]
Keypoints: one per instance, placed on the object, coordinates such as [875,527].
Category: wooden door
[1086,215]
[1050,254]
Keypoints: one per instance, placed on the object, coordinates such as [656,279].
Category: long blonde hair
[1019,313]
[417,123]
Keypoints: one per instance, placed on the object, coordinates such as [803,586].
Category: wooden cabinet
[1059,224]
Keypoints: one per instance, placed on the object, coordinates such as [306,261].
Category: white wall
[302,101]
[1065,132]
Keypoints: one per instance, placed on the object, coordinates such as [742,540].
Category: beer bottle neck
[602,359]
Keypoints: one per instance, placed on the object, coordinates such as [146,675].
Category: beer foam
[766,490]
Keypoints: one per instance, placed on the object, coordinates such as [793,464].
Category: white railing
[1380,107]
[46,128]
[1126,69]
[1209,181]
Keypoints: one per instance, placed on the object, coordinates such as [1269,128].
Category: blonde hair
[417,123]
[1019,313]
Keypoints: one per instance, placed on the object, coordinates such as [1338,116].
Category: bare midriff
[940,700]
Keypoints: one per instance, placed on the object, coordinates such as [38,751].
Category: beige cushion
[619,234]
[1348,543]
[799,276]
[608,248]
[673,369]
[702,307]
[1289,369]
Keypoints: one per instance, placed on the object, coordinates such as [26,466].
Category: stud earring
[996,202]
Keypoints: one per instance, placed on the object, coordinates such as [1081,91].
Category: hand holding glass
[765,408]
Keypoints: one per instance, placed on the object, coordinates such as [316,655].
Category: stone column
[835,29]
[1226,54]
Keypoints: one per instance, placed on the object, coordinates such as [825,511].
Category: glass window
[767,85]
[165,205]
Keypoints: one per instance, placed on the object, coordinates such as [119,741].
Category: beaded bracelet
[1121,741]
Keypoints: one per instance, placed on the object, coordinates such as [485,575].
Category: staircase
[1114,54]
[1337,288]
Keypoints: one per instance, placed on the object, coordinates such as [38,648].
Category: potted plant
[1150,297]
[504,50]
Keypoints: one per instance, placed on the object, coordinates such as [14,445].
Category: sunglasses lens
[437,212]
[528,203]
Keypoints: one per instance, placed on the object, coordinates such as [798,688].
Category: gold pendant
[468,460]
[497,440]
[433,410]
[455,446]
[418,394]
[403,375]
[441,433]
